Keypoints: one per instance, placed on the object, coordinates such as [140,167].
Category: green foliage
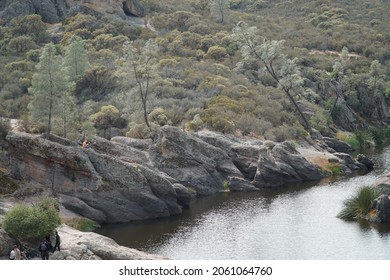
[140,61]
[218,9]
[75,58]
[106,118]
[364,139]
[349,138]
[21,44]
[141,131]
[200,60]
[50,91]
[380,134]
[82,224]
[334,168]
[30,25]
[95,84]
[359,204]
[158,116]
[216,53]
[26,222]
[196,123]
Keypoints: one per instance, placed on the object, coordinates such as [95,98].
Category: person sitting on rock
[16,253]
[85,144]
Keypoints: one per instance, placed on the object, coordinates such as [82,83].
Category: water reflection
[298,222]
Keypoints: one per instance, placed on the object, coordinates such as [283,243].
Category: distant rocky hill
[53,11]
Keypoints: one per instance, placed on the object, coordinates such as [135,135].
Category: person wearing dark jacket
[44,249]
[58,242]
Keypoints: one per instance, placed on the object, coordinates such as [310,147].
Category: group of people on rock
[45,246]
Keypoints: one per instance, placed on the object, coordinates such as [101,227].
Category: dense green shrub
[358,205]
[27,222]
[158,116]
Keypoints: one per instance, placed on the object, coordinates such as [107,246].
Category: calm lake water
[295,223]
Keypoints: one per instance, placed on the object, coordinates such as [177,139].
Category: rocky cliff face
[127,179]
[53,11]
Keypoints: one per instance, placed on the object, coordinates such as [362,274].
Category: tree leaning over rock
[262,53]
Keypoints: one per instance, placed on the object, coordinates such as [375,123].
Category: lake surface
[297,223]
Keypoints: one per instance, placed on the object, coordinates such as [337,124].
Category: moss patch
[81,223]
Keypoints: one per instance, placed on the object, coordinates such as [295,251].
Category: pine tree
[76,59]
[48,87]
[66,120]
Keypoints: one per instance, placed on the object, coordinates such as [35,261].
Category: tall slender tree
[141,61]
[268,54]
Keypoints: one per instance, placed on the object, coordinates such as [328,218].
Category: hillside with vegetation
[275,70]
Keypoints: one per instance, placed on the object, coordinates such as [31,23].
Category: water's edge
[298,222]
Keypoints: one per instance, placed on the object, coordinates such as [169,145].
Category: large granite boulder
[337,145]
[53,11]
[244,152]
[76,245]
[282,165]
[191,161]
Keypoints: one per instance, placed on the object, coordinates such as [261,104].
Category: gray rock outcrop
[191,161]
[282,165]
[337,145]
[53,11]
[100,187]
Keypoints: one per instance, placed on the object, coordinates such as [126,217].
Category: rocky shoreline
[126,179]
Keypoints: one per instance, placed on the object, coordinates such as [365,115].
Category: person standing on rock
[57,243]
[44,249]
